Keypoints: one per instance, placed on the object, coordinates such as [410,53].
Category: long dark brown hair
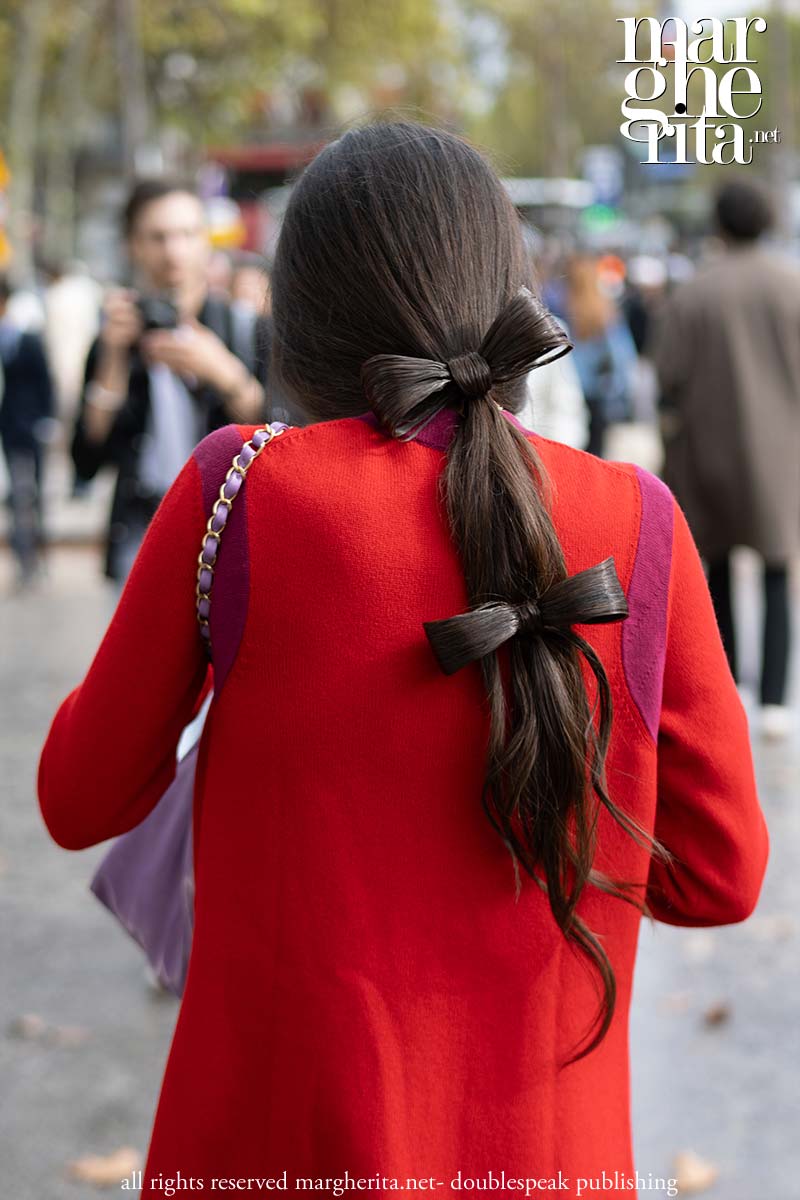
[401,283]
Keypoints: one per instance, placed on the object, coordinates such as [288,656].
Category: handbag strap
[232,484]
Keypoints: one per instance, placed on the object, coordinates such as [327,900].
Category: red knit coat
[365,997]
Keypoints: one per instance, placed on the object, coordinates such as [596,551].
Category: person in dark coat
[26,409]
[727,352]
[171,364]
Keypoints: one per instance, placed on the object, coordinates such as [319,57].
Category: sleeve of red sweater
[708,812]
[110,752]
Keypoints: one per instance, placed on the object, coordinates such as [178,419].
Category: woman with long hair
[472,717]
[604,350]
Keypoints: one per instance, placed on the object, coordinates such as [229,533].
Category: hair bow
[406,392]
[590,597]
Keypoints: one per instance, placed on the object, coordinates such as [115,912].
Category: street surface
[83,1041]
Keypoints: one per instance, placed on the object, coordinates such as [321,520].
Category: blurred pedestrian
[250,300]
[25,308]
[605,354]
[422,845]
[72,302]
[251,294]
[645,283]
[250,288]
[638,438]
[219,273]
[728,359]
[27,411]
[555,406]
[167,367]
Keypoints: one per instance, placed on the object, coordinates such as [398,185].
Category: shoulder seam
[625,470]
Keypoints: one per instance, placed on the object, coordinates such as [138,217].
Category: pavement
[715,1040]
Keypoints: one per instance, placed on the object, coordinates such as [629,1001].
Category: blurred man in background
[169,365]
[604,351]
[250,286]
[26,420]
[727,352]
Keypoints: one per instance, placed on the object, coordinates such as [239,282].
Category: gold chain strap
[231,486]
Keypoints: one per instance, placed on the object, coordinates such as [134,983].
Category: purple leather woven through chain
[228,492]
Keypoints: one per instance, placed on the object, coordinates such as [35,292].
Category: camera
[157,312]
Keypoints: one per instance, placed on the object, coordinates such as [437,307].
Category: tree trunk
[26,87]
[782,156]
[132,82]
[60,199]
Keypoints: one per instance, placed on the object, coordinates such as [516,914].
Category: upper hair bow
[590,597]
[406,393]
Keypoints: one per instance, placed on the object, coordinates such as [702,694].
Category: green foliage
[562,89]
[534,80]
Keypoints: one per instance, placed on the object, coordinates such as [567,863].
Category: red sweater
[364,993]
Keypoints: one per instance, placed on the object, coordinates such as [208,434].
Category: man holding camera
[169,365]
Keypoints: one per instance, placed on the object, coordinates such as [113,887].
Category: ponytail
[520,595]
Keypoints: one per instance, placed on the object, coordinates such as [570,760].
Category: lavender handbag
[146,879]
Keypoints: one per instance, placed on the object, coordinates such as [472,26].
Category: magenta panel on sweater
[214,456]
[644,633]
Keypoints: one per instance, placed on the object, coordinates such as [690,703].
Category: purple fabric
[220,517]
[146,879]
[437,433]
[210,547]
[644,633]
[232,485]
[246,456]
[231,586]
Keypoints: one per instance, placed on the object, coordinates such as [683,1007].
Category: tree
[61,135]
[30,23]
[208,68]
[562,88]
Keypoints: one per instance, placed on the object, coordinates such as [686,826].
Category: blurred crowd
[688,366]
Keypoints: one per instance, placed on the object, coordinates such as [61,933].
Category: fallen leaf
[699,946]
[692,1173]
[66,1035]
[106,1170]
[777,927]
[717,1013]
[30,1027]
[676,1002]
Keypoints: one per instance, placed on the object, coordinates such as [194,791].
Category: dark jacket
[132,501]
[26,394]
[727,353]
